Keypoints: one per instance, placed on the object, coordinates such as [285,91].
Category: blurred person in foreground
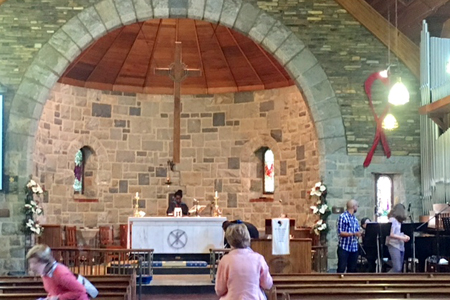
[59,282]
[242,273]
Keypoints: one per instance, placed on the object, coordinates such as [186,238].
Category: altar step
[179,284]
[181,270]
[181,264]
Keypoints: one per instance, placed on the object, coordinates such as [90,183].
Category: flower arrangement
[32,209]
[321,209]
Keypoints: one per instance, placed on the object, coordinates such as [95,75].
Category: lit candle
[216,195]
[137,195]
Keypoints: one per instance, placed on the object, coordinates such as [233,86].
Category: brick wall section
[131,138]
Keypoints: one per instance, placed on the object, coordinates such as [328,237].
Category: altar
[177,235]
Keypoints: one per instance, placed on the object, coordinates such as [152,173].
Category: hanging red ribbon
[379,135]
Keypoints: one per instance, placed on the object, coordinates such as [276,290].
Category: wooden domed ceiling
[125,60]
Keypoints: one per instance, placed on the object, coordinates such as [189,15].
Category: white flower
[315,192]
[314,209]
[323,209]
[322,188]
[319,222]
[31,183]
[322,227]
[318,184]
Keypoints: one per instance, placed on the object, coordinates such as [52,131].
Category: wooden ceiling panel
[125,60]
[109,67]
[216,68]
[187,35]
[163,55]
[85,64]
[134,71]
[261,62]
[242,70]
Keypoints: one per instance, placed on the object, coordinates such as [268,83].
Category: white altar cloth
[177,235]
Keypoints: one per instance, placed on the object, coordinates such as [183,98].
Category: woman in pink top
[59,281]
[242,274]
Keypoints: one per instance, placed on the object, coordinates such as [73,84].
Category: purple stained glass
[78,172]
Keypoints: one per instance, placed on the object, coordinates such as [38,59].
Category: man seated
[254,234]
[176,202]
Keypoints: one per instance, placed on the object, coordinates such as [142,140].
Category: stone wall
[131,138]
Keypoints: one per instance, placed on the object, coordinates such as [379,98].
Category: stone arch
[95,21]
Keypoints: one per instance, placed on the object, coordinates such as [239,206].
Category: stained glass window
[269,172]
[384,195]
[79,172]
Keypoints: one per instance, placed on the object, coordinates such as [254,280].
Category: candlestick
[136,205]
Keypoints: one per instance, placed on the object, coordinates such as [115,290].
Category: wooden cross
[177,71]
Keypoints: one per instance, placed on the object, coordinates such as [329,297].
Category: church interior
[146,124]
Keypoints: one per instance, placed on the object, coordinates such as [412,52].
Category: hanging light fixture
[398,95]
[389,122]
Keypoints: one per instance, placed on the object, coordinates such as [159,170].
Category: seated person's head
[364,222]
[178,195]
[238,236]
[39,258]
[227,223]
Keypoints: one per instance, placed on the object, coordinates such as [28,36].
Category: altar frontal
[177,235]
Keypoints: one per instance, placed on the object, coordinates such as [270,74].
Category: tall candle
[216,195]
[137,195]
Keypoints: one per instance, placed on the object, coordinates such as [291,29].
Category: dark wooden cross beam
[177,71]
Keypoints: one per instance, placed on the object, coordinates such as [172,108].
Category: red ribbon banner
[379,135]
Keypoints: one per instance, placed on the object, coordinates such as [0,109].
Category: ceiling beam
[401,45]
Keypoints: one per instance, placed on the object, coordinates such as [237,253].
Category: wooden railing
[103,261]
[215,255]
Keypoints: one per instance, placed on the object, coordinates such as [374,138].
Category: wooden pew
[362,286]
[110,287]
[298,261]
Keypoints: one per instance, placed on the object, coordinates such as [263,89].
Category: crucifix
[177,71]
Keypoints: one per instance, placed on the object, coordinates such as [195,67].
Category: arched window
[81,158]
[78,171]
[269,172]
[384,194]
